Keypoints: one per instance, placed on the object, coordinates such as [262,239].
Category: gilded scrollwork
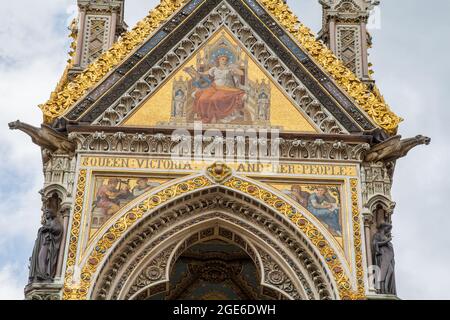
[357,239]
[308,228]
[219,172]
[371,102]
[154,271]
[74,290]
[69,292]
[222,16]
[183,217]
[275,276]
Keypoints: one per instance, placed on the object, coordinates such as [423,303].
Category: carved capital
[164,144]
[43,291]
[368,218]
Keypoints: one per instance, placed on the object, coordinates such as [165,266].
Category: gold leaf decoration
[69,93]
[371,102]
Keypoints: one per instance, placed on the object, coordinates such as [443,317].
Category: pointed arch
[276,275]
[288,224]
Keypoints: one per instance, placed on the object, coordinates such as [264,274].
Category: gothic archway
[177,220]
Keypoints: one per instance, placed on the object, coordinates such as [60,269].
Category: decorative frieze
[192,213]
[43,291]
[241,147]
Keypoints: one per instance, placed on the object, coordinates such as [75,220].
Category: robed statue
[44,260]
[384,259]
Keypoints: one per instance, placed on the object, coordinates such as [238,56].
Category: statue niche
[43,262]
[383,252]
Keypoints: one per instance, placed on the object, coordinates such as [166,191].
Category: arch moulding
[235,200]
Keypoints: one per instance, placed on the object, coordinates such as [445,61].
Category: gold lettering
[168,164]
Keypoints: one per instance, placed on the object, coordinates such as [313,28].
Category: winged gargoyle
[45,137]
[394,148]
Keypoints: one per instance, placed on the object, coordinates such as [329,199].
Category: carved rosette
[69,93]
[222,16]
[154,272]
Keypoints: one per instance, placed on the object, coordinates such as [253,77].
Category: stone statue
[384,258]
[179,101]
[46,249]
[394,148]
[45,137]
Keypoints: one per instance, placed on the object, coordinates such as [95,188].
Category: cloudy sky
[410,57]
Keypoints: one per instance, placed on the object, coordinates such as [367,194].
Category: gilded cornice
[371,102]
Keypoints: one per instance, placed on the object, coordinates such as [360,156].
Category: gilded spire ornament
[61,100]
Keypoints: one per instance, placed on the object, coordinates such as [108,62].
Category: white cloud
[32,57]
[10,287]
[411,75]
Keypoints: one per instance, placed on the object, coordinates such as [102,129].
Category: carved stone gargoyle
[394,148]
[46,137]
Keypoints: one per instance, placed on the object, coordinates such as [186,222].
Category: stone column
[65,214]
[112,31]
[368,220]
[332,35]
[77,58]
